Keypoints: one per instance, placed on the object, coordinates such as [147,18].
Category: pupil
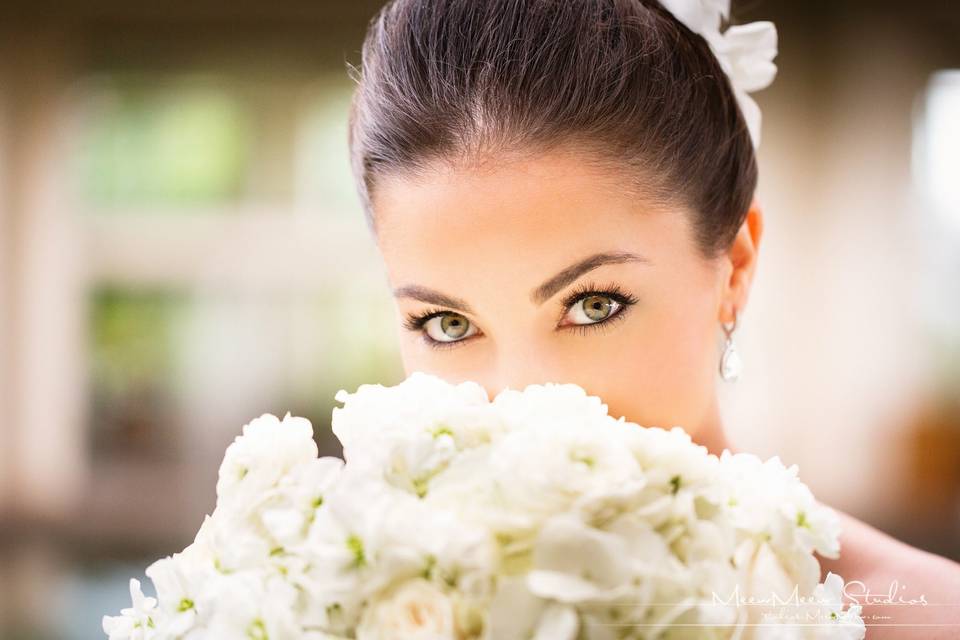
[597,307]
[453,326]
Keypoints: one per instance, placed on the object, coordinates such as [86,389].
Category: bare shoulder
[906,592]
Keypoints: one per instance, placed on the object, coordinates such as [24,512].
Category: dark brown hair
[461,80]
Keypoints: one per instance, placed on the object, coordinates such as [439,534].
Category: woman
[564,191]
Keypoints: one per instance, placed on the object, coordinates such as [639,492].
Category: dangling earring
[730,363]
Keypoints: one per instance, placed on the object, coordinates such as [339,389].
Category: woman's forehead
[501,231]
[551,203]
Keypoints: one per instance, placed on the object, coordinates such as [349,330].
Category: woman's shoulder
[864,546]
[905,591]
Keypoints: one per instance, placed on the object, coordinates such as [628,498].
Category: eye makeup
[416,322]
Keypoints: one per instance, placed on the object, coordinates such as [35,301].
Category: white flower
[574,562]
[135,622]
[178,579]
[346,541]
[517,614]
[231,542]
[534,515]
[420,402]
[835,621]
[557,622]
[250,604]
[416,610]
[768,499]
[569,463]
[292,505]
[745,52]
[700,16]
[409,432]
[255,460]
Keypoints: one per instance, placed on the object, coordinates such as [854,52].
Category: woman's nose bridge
[516,367]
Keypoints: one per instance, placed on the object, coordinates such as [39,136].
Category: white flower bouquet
[454,517]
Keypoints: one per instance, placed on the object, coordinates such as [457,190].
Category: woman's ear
[743,262]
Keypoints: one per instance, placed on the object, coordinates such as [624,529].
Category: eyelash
[585,290]
[414,322]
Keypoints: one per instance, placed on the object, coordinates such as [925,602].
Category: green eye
[454,326]
[448,327]
[593,308]
[597,307]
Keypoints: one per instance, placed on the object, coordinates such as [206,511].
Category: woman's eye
[449,327]
[592,309]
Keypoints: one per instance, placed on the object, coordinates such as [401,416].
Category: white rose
[416,610]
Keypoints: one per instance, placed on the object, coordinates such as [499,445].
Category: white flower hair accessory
[745,52]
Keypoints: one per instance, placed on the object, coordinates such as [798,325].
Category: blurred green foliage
[132,335]
[186,141]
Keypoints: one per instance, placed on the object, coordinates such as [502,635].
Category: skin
[488,235]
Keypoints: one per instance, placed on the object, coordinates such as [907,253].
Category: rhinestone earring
[730,363]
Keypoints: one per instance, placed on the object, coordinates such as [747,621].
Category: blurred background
[181,250]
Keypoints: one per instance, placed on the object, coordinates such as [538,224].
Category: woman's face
[536,271]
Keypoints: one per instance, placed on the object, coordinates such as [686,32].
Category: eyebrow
[538,295]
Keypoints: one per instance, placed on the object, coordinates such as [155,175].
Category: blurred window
[181,141]
[936,169]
